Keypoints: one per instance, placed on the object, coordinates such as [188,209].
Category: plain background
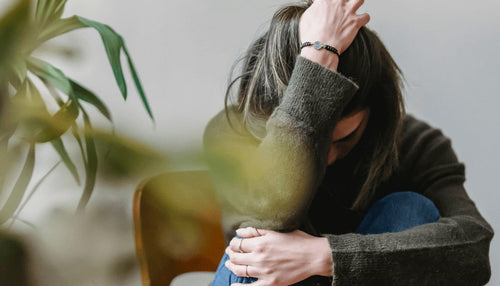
[183,50]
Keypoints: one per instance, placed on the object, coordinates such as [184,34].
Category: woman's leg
[397,212]
[224,276]
[393,213]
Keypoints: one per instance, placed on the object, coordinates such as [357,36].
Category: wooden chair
[177,226]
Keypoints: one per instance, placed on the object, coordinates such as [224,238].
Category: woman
[323,179]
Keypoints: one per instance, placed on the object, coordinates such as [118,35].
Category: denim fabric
[393,213]
[224,276]
[397,212]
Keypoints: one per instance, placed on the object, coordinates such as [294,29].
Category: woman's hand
[278,258]
[332,22]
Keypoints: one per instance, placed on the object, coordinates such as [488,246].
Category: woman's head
[377,108]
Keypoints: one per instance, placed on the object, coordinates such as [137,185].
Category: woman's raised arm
[270,183]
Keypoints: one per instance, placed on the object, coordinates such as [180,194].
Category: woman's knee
[397,212]
[412,202]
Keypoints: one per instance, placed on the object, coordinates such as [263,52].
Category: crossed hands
[278,258]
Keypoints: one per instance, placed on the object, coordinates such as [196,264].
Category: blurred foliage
[179,210]
[25,119]
[13,257]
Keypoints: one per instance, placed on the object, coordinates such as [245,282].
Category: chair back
[177,226]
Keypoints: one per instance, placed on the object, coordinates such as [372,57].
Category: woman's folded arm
[269,183]
[452,251]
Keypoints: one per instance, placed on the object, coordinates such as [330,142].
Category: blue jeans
[393,213]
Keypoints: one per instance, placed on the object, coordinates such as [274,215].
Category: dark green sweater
[282,182]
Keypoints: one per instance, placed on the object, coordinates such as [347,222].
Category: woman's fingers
[279,258]
[246,240]
[355,4]
[334,22]
[236,244]
[240,258]
[237,269]
[243,245]
[363,19]
[243,270]
[249,232]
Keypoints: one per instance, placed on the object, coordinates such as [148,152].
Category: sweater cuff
[316,96]
[344,249]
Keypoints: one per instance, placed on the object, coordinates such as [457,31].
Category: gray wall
[447,49]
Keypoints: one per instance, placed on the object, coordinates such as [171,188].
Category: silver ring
[257,231]
[241,250]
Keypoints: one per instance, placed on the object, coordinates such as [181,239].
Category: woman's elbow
[476,264]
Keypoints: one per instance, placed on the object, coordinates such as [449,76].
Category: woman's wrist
[322,263]
[322,57]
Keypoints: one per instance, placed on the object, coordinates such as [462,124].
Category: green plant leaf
[20,187]
[62,120]
[28,111]
[113,44]
[50,74]
[90,166]
[19,71]
[59,123]
[76,135]
[125,158]
[32,192]
[9,155]
[7,124]
[14,27]
[58,144]
[88,96]
[54,93]
[35,97]
[137,82]
[27,223]
[61,150]
[58,28]
[48,11]
[4,143]
[82,93]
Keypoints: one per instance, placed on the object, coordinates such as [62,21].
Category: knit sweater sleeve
[452,251]
[269,183]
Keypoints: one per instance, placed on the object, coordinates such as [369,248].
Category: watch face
[318,45]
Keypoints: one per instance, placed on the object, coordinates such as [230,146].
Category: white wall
[448,50]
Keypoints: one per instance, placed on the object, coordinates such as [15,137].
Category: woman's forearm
[270,184]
